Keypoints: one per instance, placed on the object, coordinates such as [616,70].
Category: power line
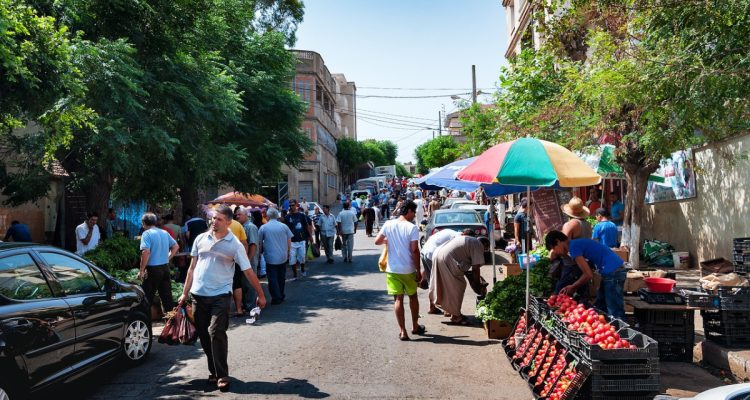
[410,97]
[393,127]
[397,88]
[407,124]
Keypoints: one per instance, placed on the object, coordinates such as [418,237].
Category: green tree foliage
[478,124]
[401,170]
[437,152]
[186,95]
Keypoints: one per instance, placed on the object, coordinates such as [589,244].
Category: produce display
[526,343]
[507,296]
[540,355]
[530,354]
[550,360]
[520,328]
[566,379]
[594,326]
[557,369]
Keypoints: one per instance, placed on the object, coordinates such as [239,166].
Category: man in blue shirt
[617,209]
[18,232]
[157,248]
[605,232]
[275,240]
[608,264]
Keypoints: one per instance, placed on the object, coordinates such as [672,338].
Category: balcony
[326,120]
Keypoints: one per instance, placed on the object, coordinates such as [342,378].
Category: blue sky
[412,44]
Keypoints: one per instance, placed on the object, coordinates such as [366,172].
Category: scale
[660,298]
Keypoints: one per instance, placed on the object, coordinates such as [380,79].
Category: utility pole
[440,123]
[473,84]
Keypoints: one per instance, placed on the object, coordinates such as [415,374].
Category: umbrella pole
[492,241]
[527,246]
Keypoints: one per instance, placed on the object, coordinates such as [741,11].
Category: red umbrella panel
[243,199]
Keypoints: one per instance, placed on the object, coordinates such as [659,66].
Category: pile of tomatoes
[526,343]
[520,328]
[566,379]
[594,326]
[549,360]
[540,355]
[530,353]
[557,369]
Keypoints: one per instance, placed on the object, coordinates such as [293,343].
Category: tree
[401,170]
[374,152]
[437,152]
[350,154]
[478,124]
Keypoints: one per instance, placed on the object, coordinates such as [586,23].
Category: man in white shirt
[428,249]
[87,234]
[304,206]
[401,237]
[327,231]
[347,226]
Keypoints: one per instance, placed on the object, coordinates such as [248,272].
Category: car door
[37,328]
[99,321]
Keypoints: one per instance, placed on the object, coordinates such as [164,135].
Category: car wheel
[5,393]
[136,343]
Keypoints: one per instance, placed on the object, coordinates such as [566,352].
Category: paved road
[335,336]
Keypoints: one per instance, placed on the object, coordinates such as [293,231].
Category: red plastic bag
[187,333]
[170,333]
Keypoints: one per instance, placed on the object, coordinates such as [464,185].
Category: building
[411,168]
[330,115]
[453,127]
[522,32]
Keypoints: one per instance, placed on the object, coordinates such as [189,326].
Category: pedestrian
[403,272]
[593,203]
[347,222]
[241,214]
[392,205]
[316,223]
[157,249]
[426,255]
[521,222]
[420,208]
[239,232]
[369,217]
[302,229]
[605,231]
[433,206]
[384,209]
[19,232]
[285,205]
[193,227]
[275,246]
[327,231]
[168,222]
[616,209]
[609,265]
[209,281]
[259,219]
[577,227]
[303,206]
[87,234]
[110,222]
[450,264]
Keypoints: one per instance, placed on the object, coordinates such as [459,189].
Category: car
[359,193]
[448,203]
[311,208]
[740,391]
[457,220]
[61,317]
[497,233]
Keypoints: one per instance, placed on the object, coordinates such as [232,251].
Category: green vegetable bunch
[117,253]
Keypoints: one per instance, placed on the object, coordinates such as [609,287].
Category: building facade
[330,116]
[519,22]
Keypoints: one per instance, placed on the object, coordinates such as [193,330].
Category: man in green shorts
[401,236]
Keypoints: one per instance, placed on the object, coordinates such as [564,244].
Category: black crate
[626,395]
[741,257]
[646,383]
[625,367]
[735,337]
[664,317]
[682,352]
[725,318]
[669,333]
[575,385]
[741,244]
[734,298]
[741,268]
[647,348]
[660,298]
[700,299]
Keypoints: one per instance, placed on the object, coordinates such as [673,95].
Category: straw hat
[575,208]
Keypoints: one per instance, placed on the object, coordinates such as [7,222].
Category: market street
[335,336]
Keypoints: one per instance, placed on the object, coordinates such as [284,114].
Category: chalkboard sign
[547,213]
[564,196]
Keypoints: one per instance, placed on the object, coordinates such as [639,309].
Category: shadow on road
[300,387]
[440,339]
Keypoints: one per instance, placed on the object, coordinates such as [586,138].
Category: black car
[61,316]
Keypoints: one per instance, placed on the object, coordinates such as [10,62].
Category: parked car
[311,208]
[497,232]
[740,391]
[359,193]
[448,203]
[457,220]
[61,316]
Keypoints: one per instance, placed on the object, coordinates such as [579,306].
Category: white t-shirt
[400,234]
[437,240]
[347,219]
[81,232]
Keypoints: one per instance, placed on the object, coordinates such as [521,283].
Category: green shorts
[401,283]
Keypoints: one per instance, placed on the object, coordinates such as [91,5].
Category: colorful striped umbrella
[530,162]
[243,199]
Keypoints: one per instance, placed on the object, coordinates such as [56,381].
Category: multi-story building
[330,115]
[522,32]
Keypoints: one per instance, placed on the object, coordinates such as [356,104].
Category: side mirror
[111,287]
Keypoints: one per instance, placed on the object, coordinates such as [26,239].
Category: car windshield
[457,218]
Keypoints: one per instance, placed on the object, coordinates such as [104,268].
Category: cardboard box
[497,329]
[634,280]
[716,265]
[623,252]
[511,269]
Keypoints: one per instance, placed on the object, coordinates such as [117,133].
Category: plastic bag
[187,333]
[171,333]
[309,255]
[315,249]
[383,260]
[337,244]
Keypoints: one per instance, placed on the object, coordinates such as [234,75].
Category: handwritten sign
[547,213]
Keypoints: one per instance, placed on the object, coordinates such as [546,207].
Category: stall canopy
[601,159]
[446,177]
[242,199]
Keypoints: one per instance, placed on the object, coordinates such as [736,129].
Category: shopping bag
[171,333]
[315,249]
[337,244]
[383,261]
[187,333]
[309,254]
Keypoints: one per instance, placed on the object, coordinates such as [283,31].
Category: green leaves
[435,153]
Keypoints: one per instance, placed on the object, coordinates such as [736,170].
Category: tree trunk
[189,197]
[97,199]
[637,179]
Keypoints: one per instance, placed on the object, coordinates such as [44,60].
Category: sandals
[212,379]
[463,321]
[435,312]
[403,338]
[420,330]
[223,384]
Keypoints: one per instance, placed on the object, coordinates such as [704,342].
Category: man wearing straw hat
[577,227]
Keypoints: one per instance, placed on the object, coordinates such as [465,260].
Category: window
[74,276]
[100,279]
[457,218]
[21,279]
[332,181]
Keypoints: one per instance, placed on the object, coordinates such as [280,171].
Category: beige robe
[449,263]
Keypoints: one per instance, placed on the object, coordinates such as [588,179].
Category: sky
[412,45]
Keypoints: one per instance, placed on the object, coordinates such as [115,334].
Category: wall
[706,225]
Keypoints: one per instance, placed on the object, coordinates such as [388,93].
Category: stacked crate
[741,255]
[730,324]
[674,331]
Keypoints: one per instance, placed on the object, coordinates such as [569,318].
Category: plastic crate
[699,299]
[579,343]
[646,383]
[741,244]
[741,268]
[741,257]
[625,367]
[725,318]
[669,334]
[682,352]
[627,395]
[664,317]
[647,348]
[734,298]
[731,337]
[574,386]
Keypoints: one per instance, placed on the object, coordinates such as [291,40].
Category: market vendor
[607,263]
[450,262]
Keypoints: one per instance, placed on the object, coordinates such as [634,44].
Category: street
[335,336]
